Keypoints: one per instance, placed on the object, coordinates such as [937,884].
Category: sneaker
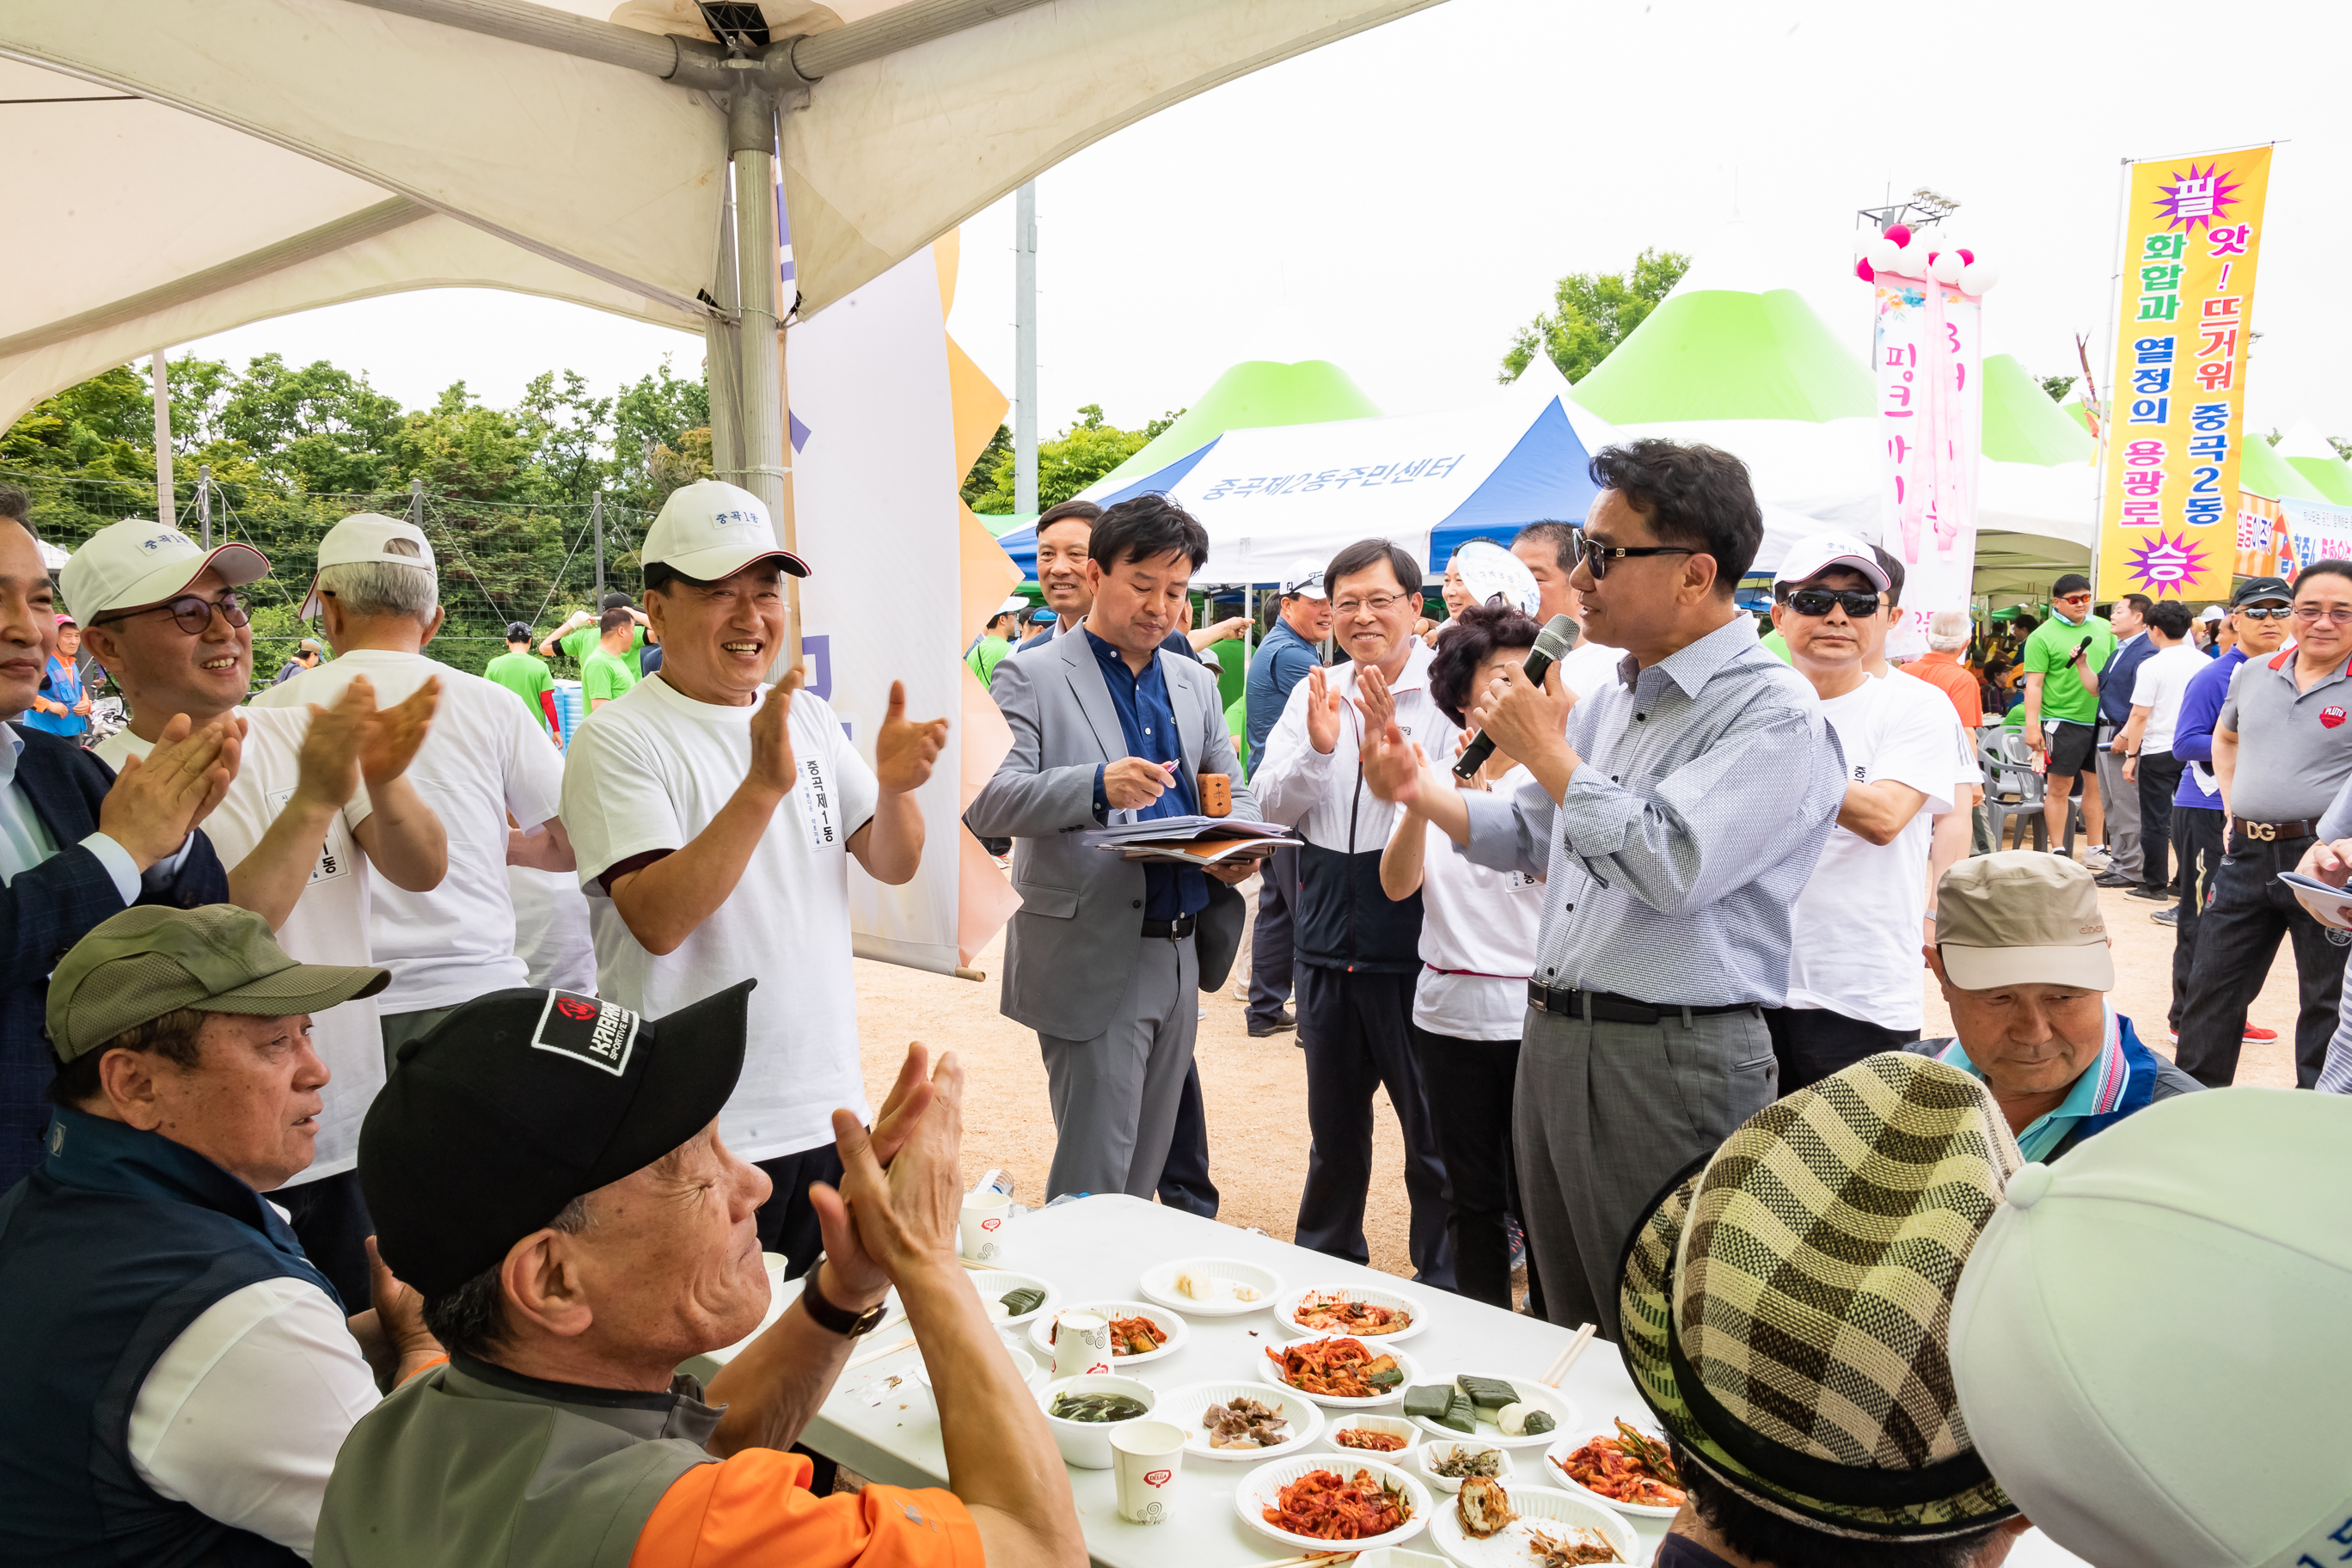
[2114,880]
[2257,1035]
[2170,917]
[2096,857]
[2153,895]
[1282,1021]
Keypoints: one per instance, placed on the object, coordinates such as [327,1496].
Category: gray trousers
[1603,1116]
[1115,1096]
[399,1029]
[2121,798]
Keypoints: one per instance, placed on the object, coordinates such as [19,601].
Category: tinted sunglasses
[1599,556]
[1816,602]
[2266,612]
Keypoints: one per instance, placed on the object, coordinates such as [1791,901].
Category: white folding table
[1100,1247]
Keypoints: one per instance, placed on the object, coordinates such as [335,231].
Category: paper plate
[1224,1274]
[1285,1312]
[993,1283]
[1546,1509]
[1553,1476]
[1425,1459]
[1530,1392]
[1388,1426]
[1272,1372]
[1041,1329]
[1261,1490]
[1186,1405]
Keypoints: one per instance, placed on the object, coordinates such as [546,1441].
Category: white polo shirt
[649,771]
[1855,930]
[485,757]
[329,923]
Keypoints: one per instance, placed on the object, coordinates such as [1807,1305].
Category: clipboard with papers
[1197,841]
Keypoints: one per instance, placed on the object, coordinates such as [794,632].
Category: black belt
[2272,832]
[1607,1007]
[1176,930]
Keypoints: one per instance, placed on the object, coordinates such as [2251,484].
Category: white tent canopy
[282,154]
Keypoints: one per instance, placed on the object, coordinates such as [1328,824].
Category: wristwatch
[825,1315]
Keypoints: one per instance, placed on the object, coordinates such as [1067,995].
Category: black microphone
[1551,644]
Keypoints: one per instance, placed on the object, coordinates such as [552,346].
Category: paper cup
[1146,1456]
[981,1236]
[1081,1344]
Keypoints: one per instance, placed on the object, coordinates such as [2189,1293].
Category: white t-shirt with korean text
[1855,930]
[649,771]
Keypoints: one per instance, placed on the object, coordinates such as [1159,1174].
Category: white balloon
[1946,267]
[1978,277]
[1912,261]
[1880,253]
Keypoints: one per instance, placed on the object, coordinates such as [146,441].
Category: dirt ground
[1257,1089]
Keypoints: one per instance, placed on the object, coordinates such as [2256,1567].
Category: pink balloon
[1899,233]
[1862,269]
[1967,255]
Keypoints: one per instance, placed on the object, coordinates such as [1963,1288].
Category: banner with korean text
[1926,351]
[2168,520]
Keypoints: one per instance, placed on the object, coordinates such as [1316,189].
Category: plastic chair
[2013,790]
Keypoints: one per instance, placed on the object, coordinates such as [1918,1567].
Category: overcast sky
[1399,202]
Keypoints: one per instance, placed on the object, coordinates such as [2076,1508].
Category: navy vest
[107,1252]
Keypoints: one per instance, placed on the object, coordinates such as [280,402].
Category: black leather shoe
[1260,1031]
[2153,895]
[2115,880]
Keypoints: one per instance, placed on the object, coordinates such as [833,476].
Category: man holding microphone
[2063,659]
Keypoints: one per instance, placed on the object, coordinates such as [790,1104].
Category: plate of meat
[1133,1326]
[1626,1470]
[1241,1421]
[1309,1501]
[1491,1525]
[1341,1372]
[1367,1313]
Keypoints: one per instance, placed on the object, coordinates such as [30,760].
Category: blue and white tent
[1274,495]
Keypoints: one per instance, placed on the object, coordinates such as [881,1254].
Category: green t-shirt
[523,675]
[984,658]
[583,643]
[2063,695]
[1775,645]
[604,676]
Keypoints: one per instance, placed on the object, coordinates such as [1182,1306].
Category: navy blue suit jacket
[49,908]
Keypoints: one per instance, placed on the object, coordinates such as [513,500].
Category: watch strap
[835,1320]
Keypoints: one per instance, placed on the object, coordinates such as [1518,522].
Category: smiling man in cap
[715,815]
[175,1374]
[1784,1303]
[551,1172]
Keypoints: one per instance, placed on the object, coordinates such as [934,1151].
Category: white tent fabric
[277,124]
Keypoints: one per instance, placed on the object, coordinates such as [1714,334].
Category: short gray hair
[1950,630]
[383,588]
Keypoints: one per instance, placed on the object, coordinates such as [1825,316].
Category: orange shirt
[1945,672]
[754,1511]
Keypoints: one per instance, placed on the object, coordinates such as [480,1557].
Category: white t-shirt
[1589,666]
[241,1416]
[2158,685]
[329,923]
[1480,924]
[1854,932]
[552,931]
[649,770]
[487,755]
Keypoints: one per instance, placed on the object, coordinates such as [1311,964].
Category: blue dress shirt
[1148,720]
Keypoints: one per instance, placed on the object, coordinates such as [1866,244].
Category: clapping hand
[1392,764]
[389,742]
[849,1268]
[156,802]
[1322,712]
[904,1216]
[904,752]
[772,767]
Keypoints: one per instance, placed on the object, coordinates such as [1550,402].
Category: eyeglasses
[1599,556]
[1816,602]
[2266,613]
[1379,604]
[2307,614]
[194,613]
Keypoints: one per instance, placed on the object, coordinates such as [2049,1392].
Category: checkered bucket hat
[1786,1301]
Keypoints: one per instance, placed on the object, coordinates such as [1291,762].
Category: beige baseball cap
[370,536]
[2021,917]
[135,562]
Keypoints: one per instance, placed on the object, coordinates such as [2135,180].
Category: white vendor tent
[1274,495]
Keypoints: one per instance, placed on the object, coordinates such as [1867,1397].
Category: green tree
[2057,386]
[1592,312]
[979,484]
[566,427]
[661,436]
[1070,461]
[320,426]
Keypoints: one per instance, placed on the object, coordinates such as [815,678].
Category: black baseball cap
[518,631]
[2257,588]
[521,1101]
[617,600]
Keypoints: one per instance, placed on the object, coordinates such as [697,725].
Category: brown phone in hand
[1216,795]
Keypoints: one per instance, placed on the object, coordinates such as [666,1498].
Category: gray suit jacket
[1075,938]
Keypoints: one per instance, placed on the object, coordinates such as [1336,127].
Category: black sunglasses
[2266,613]
[192,611]
[1816,602]
[1599,556]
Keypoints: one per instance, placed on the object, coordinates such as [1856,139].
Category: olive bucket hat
[1785,1301]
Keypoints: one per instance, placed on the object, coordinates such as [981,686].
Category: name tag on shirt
[332,862]
[817,807]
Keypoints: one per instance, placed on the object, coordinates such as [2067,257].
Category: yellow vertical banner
[2192,232]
